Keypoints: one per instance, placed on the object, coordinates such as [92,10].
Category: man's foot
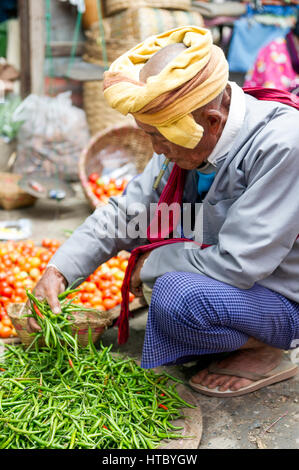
[260,360]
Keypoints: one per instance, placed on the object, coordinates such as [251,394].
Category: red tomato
[85,297]
[10,280]
[18,299]
[5,331]
[93,177]
[123,265]
[113,262]
[46,242]
[118,283]
[55,243]
[34,262]
[34,273]
[90,287]
[115,290]
[19,291]
[6,321]
[7,291]
[106,276]
[107,294]
[45,257]
[7,262]
[97,302]
[98,192]
[27,267]
[109,303]
[103,285]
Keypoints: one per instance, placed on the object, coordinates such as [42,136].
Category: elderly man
[227,282]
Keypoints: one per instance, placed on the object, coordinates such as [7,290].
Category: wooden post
[32,31]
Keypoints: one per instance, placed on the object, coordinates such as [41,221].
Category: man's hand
[136,284]
[50,285]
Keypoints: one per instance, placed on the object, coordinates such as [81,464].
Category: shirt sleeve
[260,227]
[108,230]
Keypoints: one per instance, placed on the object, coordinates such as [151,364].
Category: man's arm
[91,244]
[104,233]
[259,231]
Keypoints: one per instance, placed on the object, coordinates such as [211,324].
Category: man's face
[185,158]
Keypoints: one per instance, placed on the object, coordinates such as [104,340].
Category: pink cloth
[273,68]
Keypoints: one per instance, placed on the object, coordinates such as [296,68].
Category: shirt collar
[233,124]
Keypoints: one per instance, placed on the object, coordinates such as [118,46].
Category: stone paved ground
[228,423]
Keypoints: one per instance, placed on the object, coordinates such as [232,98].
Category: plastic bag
[52,136]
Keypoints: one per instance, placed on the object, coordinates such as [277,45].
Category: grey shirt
[250,214]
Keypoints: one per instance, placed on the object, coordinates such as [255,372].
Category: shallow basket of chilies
[123,144]
[83,320]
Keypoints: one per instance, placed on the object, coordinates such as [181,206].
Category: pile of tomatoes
[23,263]
[102,290]
[21,266]
[105,188]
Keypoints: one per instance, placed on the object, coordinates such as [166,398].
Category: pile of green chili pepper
[63,396]
[55,329]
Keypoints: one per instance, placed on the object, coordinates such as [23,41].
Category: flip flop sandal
[285,370]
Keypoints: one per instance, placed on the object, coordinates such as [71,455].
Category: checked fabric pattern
[192,314]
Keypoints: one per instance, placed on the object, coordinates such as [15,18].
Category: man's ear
[211,119]
[214,120]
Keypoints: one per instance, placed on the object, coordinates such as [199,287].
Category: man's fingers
[54,302]
[137,290]
[32,325]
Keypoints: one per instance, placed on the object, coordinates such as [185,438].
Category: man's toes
[201,375]
[223,382]
[240,383]
[209,379]
[227,383]
[219,380]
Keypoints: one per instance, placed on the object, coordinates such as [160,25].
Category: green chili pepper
[63,396]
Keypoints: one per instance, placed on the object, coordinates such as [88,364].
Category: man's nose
[159,146]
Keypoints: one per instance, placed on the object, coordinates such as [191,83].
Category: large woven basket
[133,141]
[97,322]
[115,46]
[140,23]
[126,29]
[113,6]
[98,112]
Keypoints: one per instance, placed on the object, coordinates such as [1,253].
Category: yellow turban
[192,79]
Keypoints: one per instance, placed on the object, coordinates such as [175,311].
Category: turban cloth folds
[192,79]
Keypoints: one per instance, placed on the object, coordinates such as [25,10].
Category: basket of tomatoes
[112,148]
[23,263]
[7,330]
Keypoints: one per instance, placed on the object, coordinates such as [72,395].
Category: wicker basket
[140,23]
[125,30]
[113,6]
[83,320]
[136,144]
[115,46]
[98,112]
